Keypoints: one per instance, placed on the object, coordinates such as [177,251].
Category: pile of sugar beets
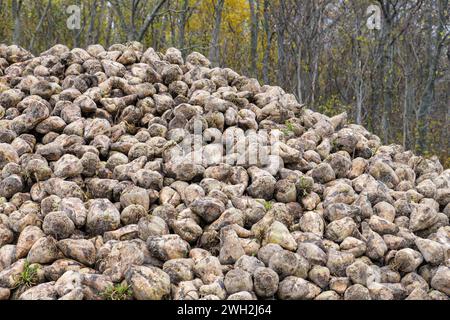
[132,174]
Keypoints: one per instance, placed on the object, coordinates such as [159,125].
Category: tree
[130,27]
[214,51]
[268,43]
[44,15]
[16,9]
[254,13]
[437,15]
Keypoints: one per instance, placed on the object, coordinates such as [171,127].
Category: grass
[267,205]
[28,277]
[394,265]
[130,126]
[289,125]
[117,292]
[86,194]
[304,186]
[289,128]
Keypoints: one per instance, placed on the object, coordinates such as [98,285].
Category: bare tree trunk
[280,29]
[359,88]
[254,14]
[268,46]
[16,6]
[90,33]
[78,33]
[173,29]
[386,67]
[182,27]
[316,40]
[407,107]
[49,3]
[115,36]
[358,68]
[299,71]
[126,28]
[387,106]
[131,35]
[109,26]
[162,33]
[130,27]
[214,52]
[315,75]
[98,30]
[149,19]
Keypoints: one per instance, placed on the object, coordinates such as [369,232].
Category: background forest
[394,80]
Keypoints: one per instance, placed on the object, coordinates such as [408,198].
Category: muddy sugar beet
[132,174]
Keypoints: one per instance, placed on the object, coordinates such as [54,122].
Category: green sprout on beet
[28,277]
[117,292]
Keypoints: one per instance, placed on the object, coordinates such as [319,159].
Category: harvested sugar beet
[132,174]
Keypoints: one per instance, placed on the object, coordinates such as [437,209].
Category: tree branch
[149,19]
[47,7]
